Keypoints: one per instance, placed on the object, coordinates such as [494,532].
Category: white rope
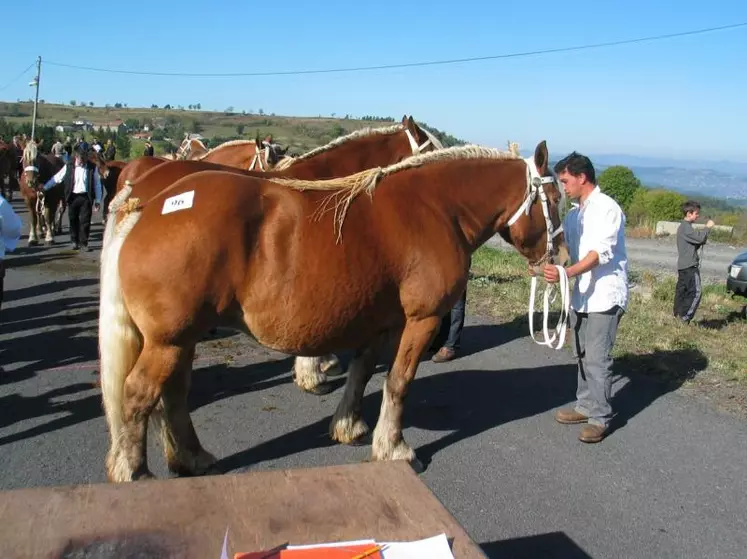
[557,339]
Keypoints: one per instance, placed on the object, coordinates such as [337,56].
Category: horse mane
[360,133]
[221,146]
[346,189]
[30,153]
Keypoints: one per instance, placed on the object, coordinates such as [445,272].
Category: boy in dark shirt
[689,241]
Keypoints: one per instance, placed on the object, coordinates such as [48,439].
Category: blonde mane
[362,132]
[30,153]
[223,145]
[346,189]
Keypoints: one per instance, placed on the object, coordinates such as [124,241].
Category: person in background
[687,293]
[148,151]
[82,192]
[111,151]
[10,229]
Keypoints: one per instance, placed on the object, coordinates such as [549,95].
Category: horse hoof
[334,371]
[320,389]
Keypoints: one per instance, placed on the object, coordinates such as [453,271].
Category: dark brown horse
[396,244]
[343,156]
[45,207]
[8,170]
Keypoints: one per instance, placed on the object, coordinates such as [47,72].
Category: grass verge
[711,352]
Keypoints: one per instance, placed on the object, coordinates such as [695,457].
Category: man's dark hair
[576,164]
[690,206]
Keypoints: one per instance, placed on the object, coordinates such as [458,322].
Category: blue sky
[681,97]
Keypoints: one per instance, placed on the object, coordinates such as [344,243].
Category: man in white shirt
[595,233]
[10,231]
[82,191]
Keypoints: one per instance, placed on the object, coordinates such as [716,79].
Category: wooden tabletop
[189,517]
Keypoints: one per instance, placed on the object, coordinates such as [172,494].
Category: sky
[681,97]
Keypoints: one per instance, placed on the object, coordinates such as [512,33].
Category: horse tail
[120,341]
[111,222]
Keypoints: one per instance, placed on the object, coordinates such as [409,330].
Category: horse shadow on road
[464,404]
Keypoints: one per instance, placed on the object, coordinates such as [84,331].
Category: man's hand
[710,223]
[552,275]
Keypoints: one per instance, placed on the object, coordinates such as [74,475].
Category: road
[661,255]
[667,483]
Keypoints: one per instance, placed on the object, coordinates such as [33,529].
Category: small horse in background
[45,207]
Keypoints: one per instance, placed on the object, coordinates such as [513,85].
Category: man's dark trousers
[79,211]
[687,294]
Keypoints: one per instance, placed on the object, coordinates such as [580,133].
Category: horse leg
[310,373]
[49,219]
[388,442]
[33,238]
[347,425]
[59,212]
[184,453]
[142,391]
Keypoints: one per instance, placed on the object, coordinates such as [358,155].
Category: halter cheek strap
[416,149]
[31,169]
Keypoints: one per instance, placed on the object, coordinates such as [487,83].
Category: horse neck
[240,155]
[478,196]
[377,150]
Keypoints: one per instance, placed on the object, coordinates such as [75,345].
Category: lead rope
[557,339]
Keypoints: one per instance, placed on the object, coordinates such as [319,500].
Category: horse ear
[411,126]
[404,120]
[541,158]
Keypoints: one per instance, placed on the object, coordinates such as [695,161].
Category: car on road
[736,279]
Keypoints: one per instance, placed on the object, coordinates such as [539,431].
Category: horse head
[420,140]
[30,161]
[539,238]
[97,159]
[266,155]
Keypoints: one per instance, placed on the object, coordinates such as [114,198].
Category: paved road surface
[661,255]
[669,482]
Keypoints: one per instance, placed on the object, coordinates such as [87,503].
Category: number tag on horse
[180,202]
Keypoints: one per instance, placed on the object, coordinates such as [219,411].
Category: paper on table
[436,547]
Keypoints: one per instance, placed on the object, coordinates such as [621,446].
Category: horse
[8,170]
[244,154]
[137,167]
[191,149]
[396,243]
[43,206]
[345,155]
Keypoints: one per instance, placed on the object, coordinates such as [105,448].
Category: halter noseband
[535,184]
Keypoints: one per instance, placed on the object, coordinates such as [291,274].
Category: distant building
[113,126]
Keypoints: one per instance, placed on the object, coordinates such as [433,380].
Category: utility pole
[36,99]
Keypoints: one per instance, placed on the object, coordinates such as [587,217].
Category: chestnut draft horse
[346,155]
[45,208]
[395,261]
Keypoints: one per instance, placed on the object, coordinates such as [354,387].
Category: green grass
[650,340]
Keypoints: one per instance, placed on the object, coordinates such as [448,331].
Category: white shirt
[79,181]
[598,225]
[10,228]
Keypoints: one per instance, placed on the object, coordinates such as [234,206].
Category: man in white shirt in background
[82,185]
[10,232]
[595,233]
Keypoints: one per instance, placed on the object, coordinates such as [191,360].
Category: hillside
[168,126]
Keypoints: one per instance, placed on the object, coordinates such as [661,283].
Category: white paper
[334,544]
[436,547]
[179,202]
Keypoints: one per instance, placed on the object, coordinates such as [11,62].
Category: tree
[240,129]
[621,184]
[650,206]
[73,103]
[90,103]
[124,146]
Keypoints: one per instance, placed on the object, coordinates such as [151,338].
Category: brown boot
[570,416]
[592,433]
[443,355]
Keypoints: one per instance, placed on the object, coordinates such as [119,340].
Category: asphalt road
[668,482]
[661,255]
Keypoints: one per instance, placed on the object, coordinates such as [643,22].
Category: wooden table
[189,517]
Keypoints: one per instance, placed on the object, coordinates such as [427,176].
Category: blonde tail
[120,343]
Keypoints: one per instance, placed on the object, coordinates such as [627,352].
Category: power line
[11,82]
[410,64]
